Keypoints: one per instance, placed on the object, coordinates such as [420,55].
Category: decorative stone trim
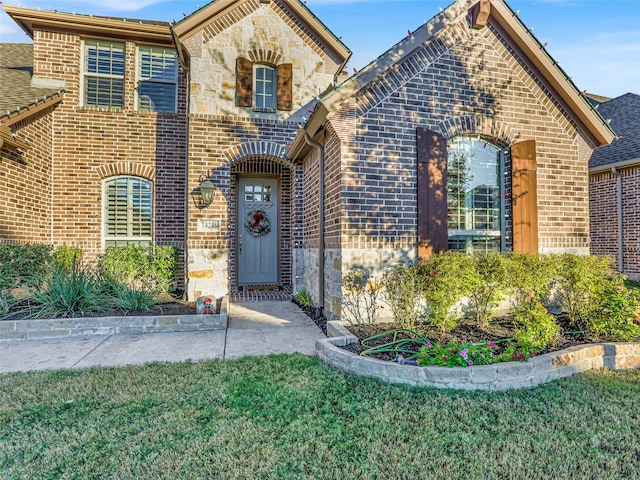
[265,56]
[126,168]
[496,377]
[478,124]
[272,150]
[80,327]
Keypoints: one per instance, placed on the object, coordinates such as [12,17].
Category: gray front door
[258,231]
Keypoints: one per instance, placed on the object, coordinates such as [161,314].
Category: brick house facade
[614,182]
[312,176]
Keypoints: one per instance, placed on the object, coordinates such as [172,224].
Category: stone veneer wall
[604,218]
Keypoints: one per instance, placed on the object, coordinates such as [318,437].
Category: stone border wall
[77,327]
[496,377]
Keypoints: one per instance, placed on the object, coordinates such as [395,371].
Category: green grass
[290,417]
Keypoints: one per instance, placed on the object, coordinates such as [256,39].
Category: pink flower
[441,342]
[491,344]
[444,358]
[429,344]
[459,342]
[522,356]
[464,354]
[470,362]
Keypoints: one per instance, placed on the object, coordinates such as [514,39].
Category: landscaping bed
[501,332]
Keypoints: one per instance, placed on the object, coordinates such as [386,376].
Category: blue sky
[597,42]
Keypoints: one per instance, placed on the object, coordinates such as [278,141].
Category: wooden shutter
[433,233]
[524,183]
[285,87]
[244,83]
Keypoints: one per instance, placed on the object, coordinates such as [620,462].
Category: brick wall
[25,185]
[604,218]
[90,145]
[464,82]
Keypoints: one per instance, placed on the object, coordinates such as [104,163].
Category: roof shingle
[624,113]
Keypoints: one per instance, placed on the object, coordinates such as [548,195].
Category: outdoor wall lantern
[207,192]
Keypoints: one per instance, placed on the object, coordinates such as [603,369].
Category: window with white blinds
[103,74]
[157,79]
[128,215]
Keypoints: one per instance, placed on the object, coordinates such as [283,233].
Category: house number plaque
[208,225]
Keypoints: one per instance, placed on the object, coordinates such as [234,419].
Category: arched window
[128,212]
[475,193]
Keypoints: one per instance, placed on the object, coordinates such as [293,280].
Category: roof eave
[22,113]
[609,167]
[506,20]
[30,20]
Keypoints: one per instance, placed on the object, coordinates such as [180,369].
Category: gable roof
[509,24]
[192,24]
[624,113]
[18,99]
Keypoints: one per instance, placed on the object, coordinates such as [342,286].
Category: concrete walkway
[256,328]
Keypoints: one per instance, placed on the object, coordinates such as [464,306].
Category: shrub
[67,257]
[67,293]
[580,284]
[529,279]
[448,278]
[132,299]
[488,285]
[149,267]
[360,293]
[538,329]
[403,293]
[615,317]
[303,297]
[23,265]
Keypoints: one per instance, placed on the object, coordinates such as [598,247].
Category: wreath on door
[258,223]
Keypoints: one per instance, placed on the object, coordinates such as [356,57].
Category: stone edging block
[75,327]
[495,377]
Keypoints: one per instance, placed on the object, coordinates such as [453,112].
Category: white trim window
[103,73]
[264,88]
[157,79]
[128,212]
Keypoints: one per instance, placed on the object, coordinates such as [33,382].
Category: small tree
[529,279]
[404,292]
[360,294]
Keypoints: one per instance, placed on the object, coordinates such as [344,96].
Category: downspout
[321,228]
[615,171]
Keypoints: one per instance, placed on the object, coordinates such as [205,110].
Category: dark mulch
[321,322]
[501,329]
[23,310]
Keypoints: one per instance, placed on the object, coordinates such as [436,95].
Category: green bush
[131,298]
[529,279]
[487,286]
[580,284]
[614,319]
[404,293]
[447,279]
[136,266]
[360,293]
[64,293]
[23,265]
[67,257]
[303,297]
[538,328]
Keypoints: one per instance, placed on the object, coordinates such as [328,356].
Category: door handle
[240,244]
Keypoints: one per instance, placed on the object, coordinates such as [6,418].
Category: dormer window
[264,88]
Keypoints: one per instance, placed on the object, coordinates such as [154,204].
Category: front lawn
[290,416]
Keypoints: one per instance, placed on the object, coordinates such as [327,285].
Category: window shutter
[433,232]
[524,184]
[244,83]
[285,87]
